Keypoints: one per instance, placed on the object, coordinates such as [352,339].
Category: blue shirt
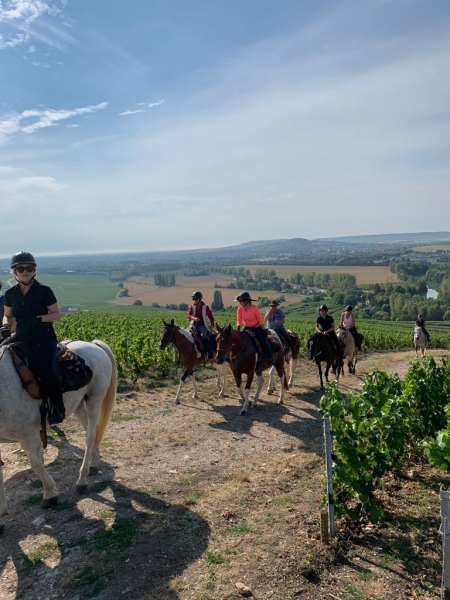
[278,315]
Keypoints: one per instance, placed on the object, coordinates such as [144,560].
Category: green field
[81,291]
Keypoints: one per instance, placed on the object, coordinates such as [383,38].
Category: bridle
[171,336]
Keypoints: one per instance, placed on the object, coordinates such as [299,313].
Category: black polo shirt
[325,323]
[34,303]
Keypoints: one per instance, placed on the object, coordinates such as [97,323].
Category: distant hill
[393,238]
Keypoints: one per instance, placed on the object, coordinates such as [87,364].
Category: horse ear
[229,328]
[164,323]
[172,321]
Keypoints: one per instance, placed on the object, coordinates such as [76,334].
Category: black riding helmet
[243,296]
[196,295]
[22,258]
[323,307]
[350,308]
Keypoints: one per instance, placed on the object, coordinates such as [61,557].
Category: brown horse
[240,348]
[189,356]
[321,349]
[290,357]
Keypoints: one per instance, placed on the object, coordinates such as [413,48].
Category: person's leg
[261,335]
[336,343]
[44,362]
[356,337]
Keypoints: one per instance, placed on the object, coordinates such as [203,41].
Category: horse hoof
[82,489]
[242,413]
[93,470]
[49,502]
[270,392]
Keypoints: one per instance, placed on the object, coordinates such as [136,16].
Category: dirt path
[191,502]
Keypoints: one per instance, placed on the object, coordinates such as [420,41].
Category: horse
[346,339]
[189,357]
[321,349]
[420,341]
[20,419]
[240,349]
[290,357]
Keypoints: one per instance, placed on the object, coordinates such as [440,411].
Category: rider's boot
[207,348]
[57,414]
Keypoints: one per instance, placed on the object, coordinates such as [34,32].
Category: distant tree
[120,285]
[137,303]
[155,305]
[123,293]
[217,303]
[183,306]
[172,306]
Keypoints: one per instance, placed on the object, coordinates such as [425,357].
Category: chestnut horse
[290,357]
[189,356]
[321,349]
[240,349]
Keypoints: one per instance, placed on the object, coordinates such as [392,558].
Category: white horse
[20,419]
[420,341]
[350,349]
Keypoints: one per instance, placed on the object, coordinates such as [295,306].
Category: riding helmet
[274,303]
[243,296]
[419,316]
[323,307]
[349,307]
[22,258]
[196,295]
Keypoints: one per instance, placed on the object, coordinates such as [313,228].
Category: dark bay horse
[290,357]
[189,356]
[321,349]
[242,354]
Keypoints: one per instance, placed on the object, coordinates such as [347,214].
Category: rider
[325,326]
[421,323]
[198,313]
[248,314]
[348,322]
[275,320]
[30,309]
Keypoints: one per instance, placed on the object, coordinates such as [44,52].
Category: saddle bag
[29,382]
[75,373]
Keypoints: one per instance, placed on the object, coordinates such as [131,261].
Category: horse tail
[109,401]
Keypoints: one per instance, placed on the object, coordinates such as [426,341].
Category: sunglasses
[28,269]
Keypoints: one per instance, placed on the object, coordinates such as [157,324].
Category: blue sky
[166,124]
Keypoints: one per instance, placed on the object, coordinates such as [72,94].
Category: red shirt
[200,311]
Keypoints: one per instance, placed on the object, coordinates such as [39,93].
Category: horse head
[311,345]
[342,333]
[167,334]
[224,340]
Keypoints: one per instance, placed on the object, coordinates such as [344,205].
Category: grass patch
[215,558]
[192,498]
[151,491]
[33,500]
[120,418]
[47,550]
[187,481]
[282,501]
[117,537]
[75,517]
[107,514]
[36,484]
[241,528]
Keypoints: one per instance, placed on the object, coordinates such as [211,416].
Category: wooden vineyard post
[329,467]
[445,532]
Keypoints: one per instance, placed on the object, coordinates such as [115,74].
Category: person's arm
[189,316]
[258,316]
[239,320]
[341,324]
[210,317]
[10,319]
[53,314]
[266,316]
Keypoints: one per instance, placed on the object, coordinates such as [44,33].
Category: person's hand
[5,331]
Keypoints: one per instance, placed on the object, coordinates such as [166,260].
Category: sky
[168,124]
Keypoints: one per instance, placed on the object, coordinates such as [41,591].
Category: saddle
[75,373]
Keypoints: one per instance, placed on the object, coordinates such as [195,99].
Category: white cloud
[32,49]
[24,11]
[41,118]
[131,112]
[12,41]
[73,126]
[152,104]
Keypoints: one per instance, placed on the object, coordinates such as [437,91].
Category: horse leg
[258,389]
[194,383]
[246,394]
[92,451]
[182,381]
[271,386]
[82,416]
[33,448]
[319,366]
[280,371]
[292,365]
[3,505]
[221,378]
